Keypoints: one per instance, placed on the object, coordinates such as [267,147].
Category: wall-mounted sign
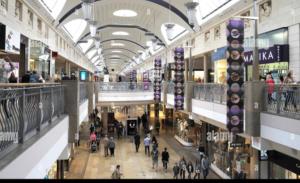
[157,80]
[12,40]
[263,155]
[235,73]
[83,75]
[179,79]
[277,53]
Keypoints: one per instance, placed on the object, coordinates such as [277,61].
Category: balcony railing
[125,87]
[83,92]
[216,93]
[283,100]
[25,110]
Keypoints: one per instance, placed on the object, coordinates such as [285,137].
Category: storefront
[273,54]
[220,65]
[40,58]
[232,160]
[282,166]
[187,132]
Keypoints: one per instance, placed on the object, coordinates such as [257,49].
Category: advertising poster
[157,80]
[235,73]
[146,80]
[15,71]
[179,79]
[12,41]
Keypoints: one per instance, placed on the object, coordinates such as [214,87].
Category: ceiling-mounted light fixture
[93,28]
[99,50]
[154,43]
[191,13]
[87,9]
[169,30]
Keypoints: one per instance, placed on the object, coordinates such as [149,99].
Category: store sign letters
[276,53]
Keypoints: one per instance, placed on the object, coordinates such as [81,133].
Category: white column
[294,43]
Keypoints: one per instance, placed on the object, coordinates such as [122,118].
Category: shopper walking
[182,165]
[190,169]
[176,170]
[137,142]
[105,144]
[270,84]
[147,145]
[117,173]
[155,154]
[288,81]
[111,146]
[165,158]
[197,169]
[205,166]
[154,143]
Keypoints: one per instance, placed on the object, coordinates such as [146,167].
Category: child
[176,170]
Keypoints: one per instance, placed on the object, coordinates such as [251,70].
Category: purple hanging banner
[146,80]
[157,80]
[235,76]
[179,79]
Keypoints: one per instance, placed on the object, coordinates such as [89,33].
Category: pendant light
[93,28]
[87,9]
[191,14]
[169,26]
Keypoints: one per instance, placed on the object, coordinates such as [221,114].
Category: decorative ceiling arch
[117,54]
[161,3]
[120,26]
[118,48]
[126,40]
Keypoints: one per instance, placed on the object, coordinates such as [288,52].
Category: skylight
[75,28]
[91,53]
[178,31]
[95,59]
[120,33]
[116,51]
[54,7]
[125,13]
[85,46]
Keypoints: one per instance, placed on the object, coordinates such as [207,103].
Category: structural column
[205,64]
[91,100]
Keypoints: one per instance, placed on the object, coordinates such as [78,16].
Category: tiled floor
[134,165]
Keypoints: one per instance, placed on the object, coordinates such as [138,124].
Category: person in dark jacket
[190,169]
[12,78]
[165,159]
[26,77]
[137,142]
[176,170]
[111,146]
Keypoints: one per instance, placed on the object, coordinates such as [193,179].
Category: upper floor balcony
[125,92]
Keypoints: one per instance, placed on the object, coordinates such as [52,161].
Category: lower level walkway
[134,165]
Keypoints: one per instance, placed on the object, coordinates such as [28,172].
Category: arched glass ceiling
[95,59]
[75,28]
[178,31]
[54,7]
[91,53]
[85,46]
[208,9]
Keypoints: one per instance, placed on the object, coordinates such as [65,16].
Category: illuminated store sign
[235,73]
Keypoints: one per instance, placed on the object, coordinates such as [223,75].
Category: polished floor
[134,165]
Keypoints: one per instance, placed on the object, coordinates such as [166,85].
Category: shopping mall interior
[149,89]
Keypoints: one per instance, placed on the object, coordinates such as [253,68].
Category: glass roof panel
[177,32]
[91,53]
[54,7]
[85,46]
[75,28]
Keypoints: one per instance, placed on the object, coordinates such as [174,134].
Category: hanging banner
[157,80]
[179,79]
[235,76]
[146,80]
[132,79]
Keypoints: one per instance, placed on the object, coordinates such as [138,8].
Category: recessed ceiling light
[117,44]
[120,33]
[116,51]
[125,13]
[115,56]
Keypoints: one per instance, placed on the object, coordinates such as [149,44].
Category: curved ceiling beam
[126,40]
[116,48]
[119,26]
[157,2]
[104,55]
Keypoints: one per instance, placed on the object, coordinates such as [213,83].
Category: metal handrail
[283,100]
[210,92]
[26,111]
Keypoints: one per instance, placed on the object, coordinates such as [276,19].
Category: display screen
[12,41]
[83,75]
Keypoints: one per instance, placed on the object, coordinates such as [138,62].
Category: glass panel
[85,46]
[75,28]
[54,7]
[91,53]
[178,31]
